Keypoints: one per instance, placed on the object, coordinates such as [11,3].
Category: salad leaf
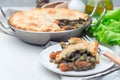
[108,30]
[112,14]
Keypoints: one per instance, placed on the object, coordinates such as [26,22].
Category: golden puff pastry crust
[38,18]
[78,44]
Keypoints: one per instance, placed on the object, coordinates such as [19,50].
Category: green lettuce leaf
[108,30]
[112,14]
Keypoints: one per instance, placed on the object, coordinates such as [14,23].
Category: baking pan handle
[4,24]
[7,29]
[94,10]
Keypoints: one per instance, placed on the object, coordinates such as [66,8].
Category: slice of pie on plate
[76,55]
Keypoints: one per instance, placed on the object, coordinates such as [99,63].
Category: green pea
[92,59]
[82,58]
[73,59]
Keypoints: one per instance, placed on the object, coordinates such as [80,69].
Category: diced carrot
[53,54]
[63,67]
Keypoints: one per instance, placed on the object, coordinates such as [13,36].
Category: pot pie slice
[76,55]
[35,19]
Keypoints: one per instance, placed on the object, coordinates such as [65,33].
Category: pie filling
[79,60]
[69,24]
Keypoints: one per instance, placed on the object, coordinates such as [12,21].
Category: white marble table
[21,61]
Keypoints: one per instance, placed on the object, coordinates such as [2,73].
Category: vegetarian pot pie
[76,55]
[48,19]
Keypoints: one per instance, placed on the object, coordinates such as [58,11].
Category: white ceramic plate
[102,66]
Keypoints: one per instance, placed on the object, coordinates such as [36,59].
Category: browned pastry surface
[43,19]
